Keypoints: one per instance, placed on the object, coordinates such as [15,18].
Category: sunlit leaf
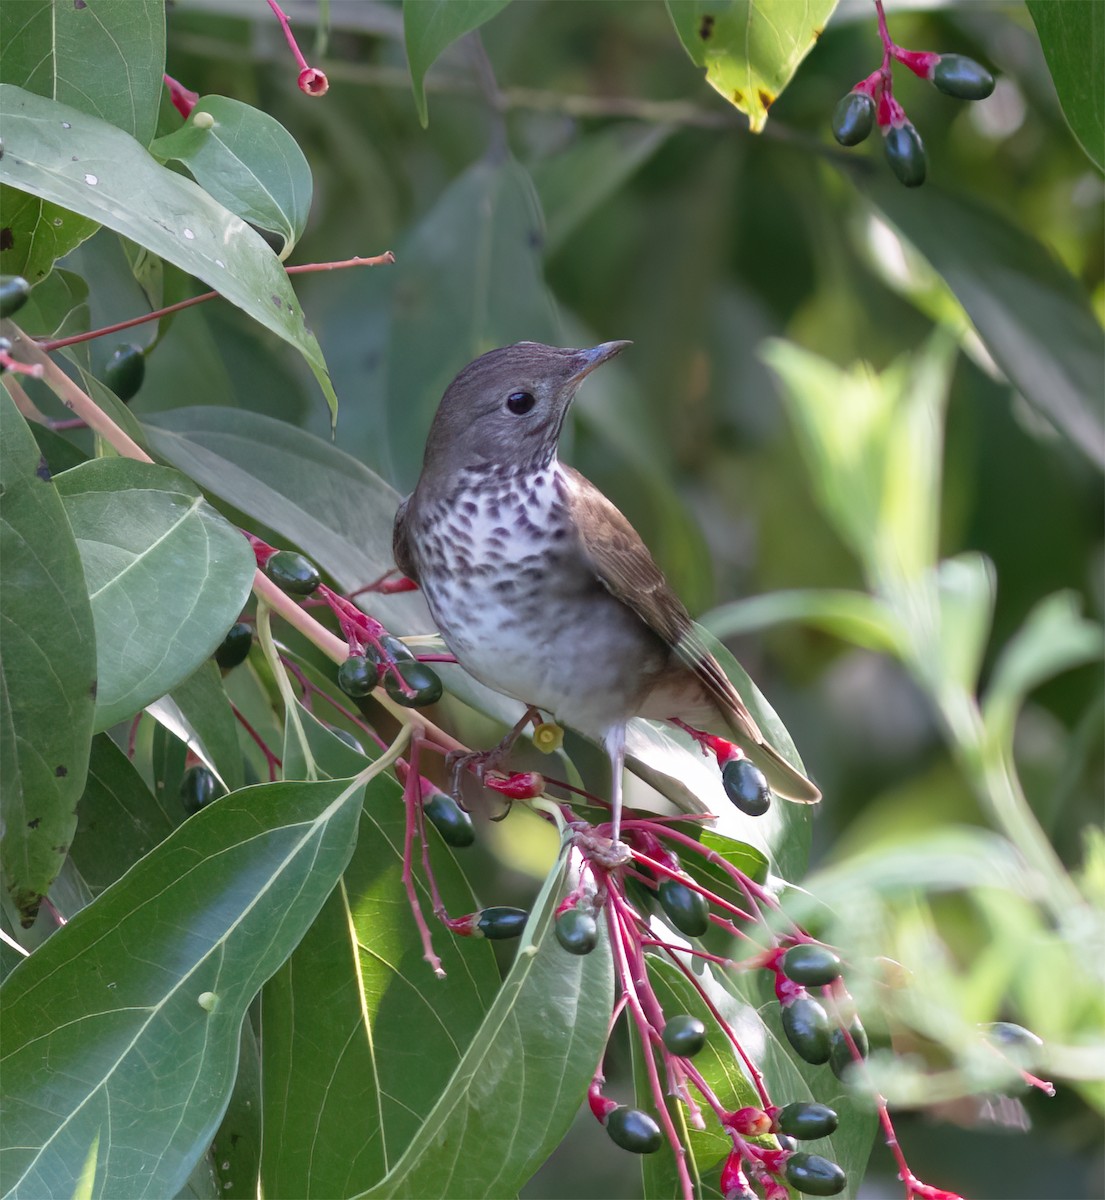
[166,574]
[49,669]
[59,154]
[124,1025]
[749,48]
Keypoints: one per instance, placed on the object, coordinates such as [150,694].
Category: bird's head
[508,406]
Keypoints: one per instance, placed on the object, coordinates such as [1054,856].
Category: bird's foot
[482,763]
[605,851]
[721,748]
[388,584]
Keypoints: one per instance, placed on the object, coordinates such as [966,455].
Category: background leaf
[167,576]
[126,1048]
[750,48]
[1073,39]
[248,162]
[49,670]
[431,25]
[115,181]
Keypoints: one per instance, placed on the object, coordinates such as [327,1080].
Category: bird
[540,587]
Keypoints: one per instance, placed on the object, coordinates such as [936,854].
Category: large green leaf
[199,710]
[49,669]
[121,1032]
[749,48]
[431,25]
[522,1078]
[359,1038]
[247,161]
[1072,35]
[105,59]
[89,167]
[1032,315]
[167,576]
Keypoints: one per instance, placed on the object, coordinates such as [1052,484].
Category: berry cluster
[872,100]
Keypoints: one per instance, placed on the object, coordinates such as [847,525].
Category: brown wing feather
[628,571]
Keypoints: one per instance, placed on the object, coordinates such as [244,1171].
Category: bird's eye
[520,403]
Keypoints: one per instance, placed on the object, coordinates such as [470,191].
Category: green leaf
[1073,39]
[1054,637]
[247,161]
[119,821]
[115,181]
[472,280]
[236,1151]
[123,1027]
[359,1038]
[750,49]
[852,616]
[58,306]
[966,586]
[524,1074]
[167,576]
[575,183]
[431,25]
[1030,312]
[105,59]
[49,670]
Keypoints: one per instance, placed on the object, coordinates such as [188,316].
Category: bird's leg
[479,762]
[386,585]
[615,749]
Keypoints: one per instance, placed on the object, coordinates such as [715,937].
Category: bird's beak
[585,361]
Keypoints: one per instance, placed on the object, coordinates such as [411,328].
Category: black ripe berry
[853,118]
[806,1024]
[423,679]
[905,152]
[577,931]
[814,1175]
[811,965]
[450,820]
[746,786]
[292,573]
[234,648]
[806,1121]
[634,1130]
[961,77]
[357,676]
[125,370]
[684,1035]
[685,908]
[198,788]
[501,923]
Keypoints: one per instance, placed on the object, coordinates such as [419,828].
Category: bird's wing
[400,544]
[626,568]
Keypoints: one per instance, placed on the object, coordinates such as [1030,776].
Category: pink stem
[412,800]
[270,758]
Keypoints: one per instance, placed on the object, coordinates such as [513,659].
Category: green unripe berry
[234,648]
[685,908]
[961,77]
[814,1175]
[746,786]
[450,820]
[14,291]
[806,1025]
[810,965]
[807,1121]
[840,1053]
[501,923]
[684,1035]
[424,680]
[125,370]
[577,931]
[293,573]
[198,788]
[853,118]
[357,676]
[634,1130]
[905,152]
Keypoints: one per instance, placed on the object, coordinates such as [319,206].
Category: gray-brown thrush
[539,586]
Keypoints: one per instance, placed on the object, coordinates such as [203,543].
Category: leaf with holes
[750,49]
[88,167]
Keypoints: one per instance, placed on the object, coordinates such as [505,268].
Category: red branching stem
[58,343]
[412,800]
[618,936]
[748,886]
[386,586]
[132,735]
[436,658]
[672,948]
[659,868]
[273,762]
[183,99]
[16,367]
